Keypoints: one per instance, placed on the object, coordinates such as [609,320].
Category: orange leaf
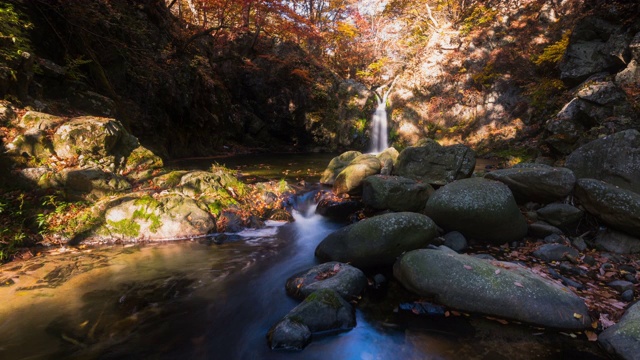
[591,335]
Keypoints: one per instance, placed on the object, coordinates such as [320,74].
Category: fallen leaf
[447,314]
[591,335]
[468,267]
[497,272]
[577,316]
[518,284]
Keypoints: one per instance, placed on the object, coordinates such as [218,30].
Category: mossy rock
[349,180]
[88,136]
[623,338]
[336,165]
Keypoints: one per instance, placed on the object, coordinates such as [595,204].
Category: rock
[590,50]
[345,279]
[140,164]
[93,103]
[7,112]
[553,239]
[620,285]
[435,164]
[619,208]
[289,334]
[206,183]
[541,229]
[29,178]
[455,241]
[164,218]
[338,210]
[614,159]
[494,288]
[92,183]
[40,121]
[87,135]
[536,183]
[34,144]
[630,75]
[579,244]
[379,240]
[555,252]
[336,165]
[564,130]
[322,311]
[623,338]
[627,295]
[349,180]
[564,216]
[388,154]
[617,242]
[395,193]
[479,208]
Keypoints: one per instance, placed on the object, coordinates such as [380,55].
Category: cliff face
[182,95]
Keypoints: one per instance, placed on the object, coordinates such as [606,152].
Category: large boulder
[379,240]
[32,144]
[491,287]
[623,338]
[479,208]
[87,136]
[345,279]
[540,183]
[336,165]
[592,48]
[435,164]
[92,183]
[395,193]
[349,180]
[614,159]
[164,218]
[321,312]
[616,207]
[39,121]
[564,216]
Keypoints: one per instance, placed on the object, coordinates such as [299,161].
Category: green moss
[553,53]
[543,93]
[480,16]
[125,227]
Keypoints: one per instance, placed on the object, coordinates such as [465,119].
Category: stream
[200,300]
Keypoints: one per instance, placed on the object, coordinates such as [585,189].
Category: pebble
[621,285]
[627,295]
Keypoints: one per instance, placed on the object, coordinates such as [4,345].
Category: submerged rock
[378,240]
[478,208]
[345,279]
[322,311]
[491,287]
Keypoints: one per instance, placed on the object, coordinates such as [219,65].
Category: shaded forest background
[200,77]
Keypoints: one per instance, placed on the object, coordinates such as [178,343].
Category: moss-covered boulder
[395,193]
[345,279]
[321,312]
[379,240]
[435,164]
[39,121]
[163,218]
[87,136]
[614,159]
[616,207]
[540,183]
[336,165]
[140,164]
[479,208]
[92,183]
[494,288]
[623,338]
[349,180]
[32,145]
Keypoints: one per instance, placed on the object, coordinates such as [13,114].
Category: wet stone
[621,285]
[542,229]
[553,239]
[555,252]
[627,295]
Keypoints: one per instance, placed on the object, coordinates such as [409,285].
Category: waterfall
[379,128]
[379,136]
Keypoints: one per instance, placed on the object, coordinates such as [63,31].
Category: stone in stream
[322,311]
[379,240]
[349,180]
[616,207]
[479,208]
[345,279]
[490,287]
[536,182]
[623,338]
[336,165]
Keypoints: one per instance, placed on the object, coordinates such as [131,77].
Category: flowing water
[201,300]
[379,133]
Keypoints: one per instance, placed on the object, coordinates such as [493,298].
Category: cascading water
[380,131]
[379,137]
